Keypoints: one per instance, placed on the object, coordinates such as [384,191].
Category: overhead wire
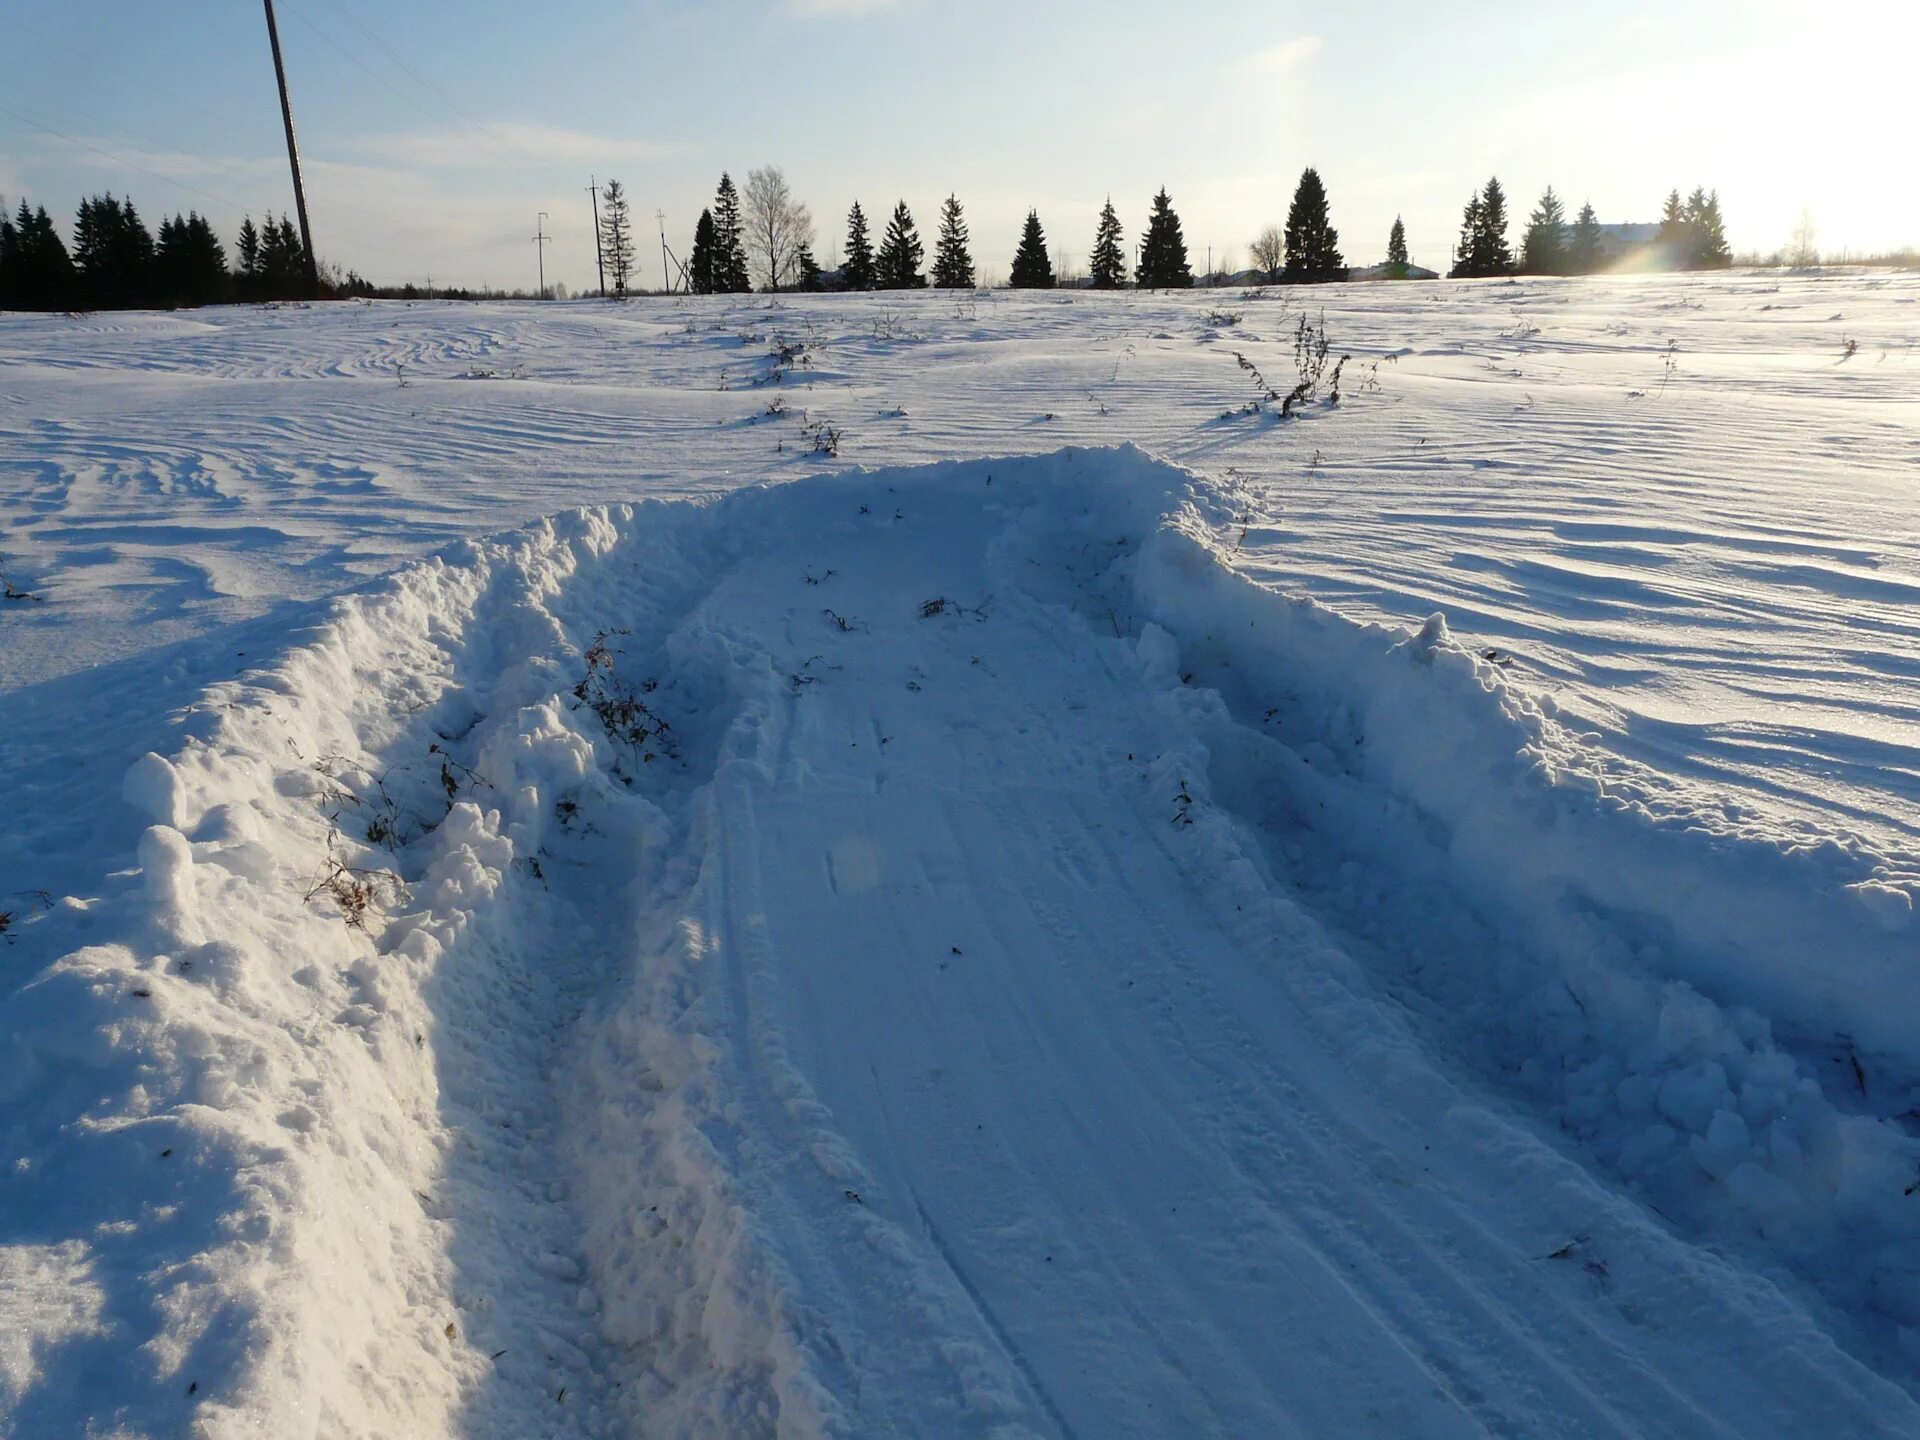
[222,200]
[452,104]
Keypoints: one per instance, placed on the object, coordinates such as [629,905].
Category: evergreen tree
[898,265]
[1163,253]
[170,277]
[1674,237]
[806,270]
[113,253]
[249,249]
[190,264]
[858,271]
[49,279]
[952,263]
[1483,235]
[1108,264]
[730,275]
[9,262]
[1707,231]
[1313,245]
[283,261]
[1544,251]
[1583,243]
[1032,269]
[616,235]
[1397,262]
[1495,257]
[700,262]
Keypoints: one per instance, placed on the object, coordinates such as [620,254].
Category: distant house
[1618,242]
[1385,271]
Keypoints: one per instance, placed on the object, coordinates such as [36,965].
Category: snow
[1310,927]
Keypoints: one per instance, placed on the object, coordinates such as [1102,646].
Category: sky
[434,132]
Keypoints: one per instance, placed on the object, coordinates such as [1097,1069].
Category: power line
[224,200]
[102,62]
[458,110]
[370,72]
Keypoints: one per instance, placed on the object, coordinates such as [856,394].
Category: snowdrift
[439,1070]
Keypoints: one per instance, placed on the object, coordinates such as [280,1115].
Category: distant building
[1617,242]
[1385,271]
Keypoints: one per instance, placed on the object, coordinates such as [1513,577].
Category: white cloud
[1283,57]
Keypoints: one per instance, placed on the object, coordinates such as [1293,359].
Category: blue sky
[434,131]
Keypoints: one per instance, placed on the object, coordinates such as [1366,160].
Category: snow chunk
[152,787]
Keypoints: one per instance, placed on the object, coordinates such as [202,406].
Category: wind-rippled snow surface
[1123,916]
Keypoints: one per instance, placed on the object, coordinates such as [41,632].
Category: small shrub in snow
[359,892]
[636,732]
[1310,354]
[825,438]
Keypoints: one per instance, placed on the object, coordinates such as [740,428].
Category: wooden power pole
[599,257]
[293,158]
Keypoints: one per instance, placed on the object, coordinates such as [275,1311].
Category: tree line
[764,238]
[116,263]
[1691,236]
[761,236]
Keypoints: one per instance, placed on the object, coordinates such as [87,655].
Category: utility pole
[293,157]
[666,282]
[599,258]
[540,238]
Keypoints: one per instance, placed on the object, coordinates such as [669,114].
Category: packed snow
[851,866]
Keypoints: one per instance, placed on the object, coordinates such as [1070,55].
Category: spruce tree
[207,261]
[700,261]
[133,257]
[1544,251]
[1707,231]
[113,253]
[858,271]
[1108,263]
[1483,235]
[952,264]
[898,265]
[47,277]
[1163,253]
[1313,245]
[1032,269]
[1675,236]
[249,249]
[1583,243]
[616,235]
[1494,255]
[281,261]
[10,267]
[730,275]
[1397,262]
[171,266]
[806,270]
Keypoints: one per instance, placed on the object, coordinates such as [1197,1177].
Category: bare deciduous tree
[1803,249]
[1269,249]
[779,227]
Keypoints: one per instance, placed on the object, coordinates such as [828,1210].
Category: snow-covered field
[518,925]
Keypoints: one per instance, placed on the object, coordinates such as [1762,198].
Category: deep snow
[1114,999]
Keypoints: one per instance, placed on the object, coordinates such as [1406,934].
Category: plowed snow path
[1028,1096]
[950,967]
